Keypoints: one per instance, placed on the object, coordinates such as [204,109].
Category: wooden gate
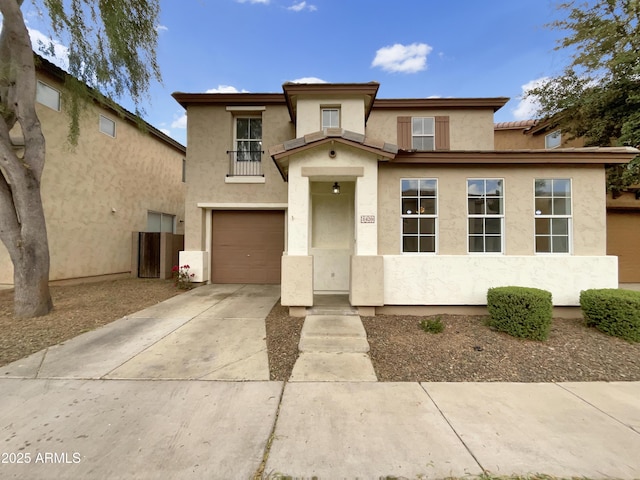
[149,254]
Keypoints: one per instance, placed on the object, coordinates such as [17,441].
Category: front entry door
[332,230]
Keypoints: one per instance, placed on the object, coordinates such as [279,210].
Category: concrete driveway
[214,332]
[72,411]
[181,390]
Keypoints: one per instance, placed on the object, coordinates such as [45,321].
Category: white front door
[332,229]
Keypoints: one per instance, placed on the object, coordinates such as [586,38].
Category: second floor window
[249,139]
[553,140]
[330,118]
[423,133]
[48,96]
[107,126]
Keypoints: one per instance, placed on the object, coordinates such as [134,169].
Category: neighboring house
[396,202]
[119,179]
[623,209]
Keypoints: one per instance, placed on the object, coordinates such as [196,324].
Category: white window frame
[552,216]
[484,216]
[331,124]
[236,139]
[163,217]
[100,125]
[417,215]
[46,87]
[552,137]
[422,134]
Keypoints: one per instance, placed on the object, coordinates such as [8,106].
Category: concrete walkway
[137,400]
[333,348]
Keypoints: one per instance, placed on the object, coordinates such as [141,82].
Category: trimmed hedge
[613,311]
[520,311]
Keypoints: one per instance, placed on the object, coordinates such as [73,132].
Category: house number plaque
[367,219]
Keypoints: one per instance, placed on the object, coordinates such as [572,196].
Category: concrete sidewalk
[136,400]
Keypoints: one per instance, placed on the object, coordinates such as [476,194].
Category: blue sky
[414,48]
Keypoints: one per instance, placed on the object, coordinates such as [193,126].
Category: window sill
[245,179]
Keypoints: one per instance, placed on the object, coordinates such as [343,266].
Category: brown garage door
[247,246]
[623,240]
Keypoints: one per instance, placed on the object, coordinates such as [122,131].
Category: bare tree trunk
[31,262]
[22,223]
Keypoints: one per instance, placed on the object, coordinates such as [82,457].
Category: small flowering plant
[182,277]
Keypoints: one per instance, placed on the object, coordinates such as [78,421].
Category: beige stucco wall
[516,139]
[588,203]
[468,129]
[308,118]
[131,173]
[210,136]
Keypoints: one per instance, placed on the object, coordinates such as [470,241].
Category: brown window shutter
[404,133]
[442,133]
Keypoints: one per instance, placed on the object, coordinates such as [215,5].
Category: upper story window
[107,126]
[248,139]
[553,215]
[423,133]
[553,140]
[485,200]
[330,117]
[48,96]
[419,215]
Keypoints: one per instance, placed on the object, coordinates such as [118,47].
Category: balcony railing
[244,163]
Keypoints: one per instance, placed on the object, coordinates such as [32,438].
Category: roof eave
[494,103]
[575,156]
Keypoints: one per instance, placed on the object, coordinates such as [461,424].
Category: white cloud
[42,44]
[298,7]
[162,28]
[402,58]
[226,89]
[528,107]
[308,80]
[166,131]
[179,121]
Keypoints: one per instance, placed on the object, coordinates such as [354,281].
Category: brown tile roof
[515,125]
[280,152]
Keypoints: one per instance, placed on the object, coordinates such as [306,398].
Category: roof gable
[280,153]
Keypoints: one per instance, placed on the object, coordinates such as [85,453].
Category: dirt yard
[467,349]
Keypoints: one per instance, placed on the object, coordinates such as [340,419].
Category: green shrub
[520,311]
[432,325]
[613,311]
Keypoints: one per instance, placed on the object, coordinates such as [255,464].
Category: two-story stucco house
[119,179]
[325,188]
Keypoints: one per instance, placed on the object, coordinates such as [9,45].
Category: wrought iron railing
[243,163]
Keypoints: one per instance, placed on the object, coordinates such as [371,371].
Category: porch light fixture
[336,188]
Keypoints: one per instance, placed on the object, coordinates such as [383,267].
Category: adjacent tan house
[117,180]
[623,209]
[325,188]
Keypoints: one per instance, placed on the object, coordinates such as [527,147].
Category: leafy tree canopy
[597,96]
[111,47]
